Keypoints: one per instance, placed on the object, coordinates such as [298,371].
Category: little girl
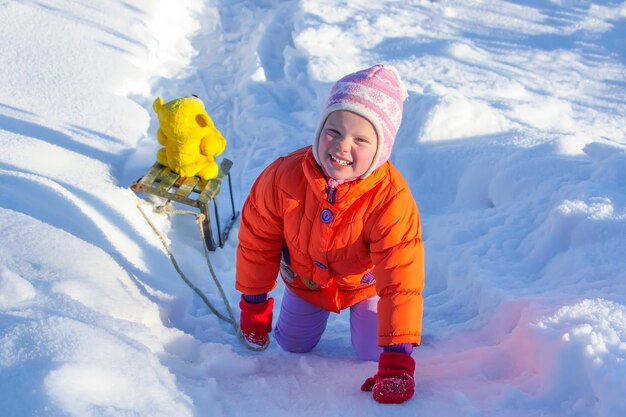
[339,223]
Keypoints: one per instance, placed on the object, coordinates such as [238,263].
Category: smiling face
[347,145]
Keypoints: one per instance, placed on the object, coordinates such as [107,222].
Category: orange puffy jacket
[328,250]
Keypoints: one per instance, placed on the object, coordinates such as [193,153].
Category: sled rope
[167,208]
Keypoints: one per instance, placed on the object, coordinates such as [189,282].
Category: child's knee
[295,345]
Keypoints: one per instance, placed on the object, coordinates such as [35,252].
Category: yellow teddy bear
[189,137]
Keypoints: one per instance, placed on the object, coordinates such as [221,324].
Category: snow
[513,142]
[15,290]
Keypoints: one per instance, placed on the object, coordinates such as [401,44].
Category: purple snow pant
[301,324]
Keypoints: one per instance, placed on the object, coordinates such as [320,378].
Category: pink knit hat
[375,93]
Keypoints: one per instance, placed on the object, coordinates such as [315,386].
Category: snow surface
[513,142]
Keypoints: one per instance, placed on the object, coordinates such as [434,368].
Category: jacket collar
[347,192]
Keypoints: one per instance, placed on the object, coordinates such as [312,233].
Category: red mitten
[256,320]
[394,383]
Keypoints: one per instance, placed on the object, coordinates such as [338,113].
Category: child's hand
[394,383]
[256,320]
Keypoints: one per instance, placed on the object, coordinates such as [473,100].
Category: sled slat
[213,187]
[187,186]
[152,175]
[201,185]
[167,180]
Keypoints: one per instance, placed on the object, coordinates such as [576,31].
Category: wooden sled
[191,191]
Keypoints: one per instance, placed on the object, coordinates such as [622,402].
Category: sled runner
[194,192]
